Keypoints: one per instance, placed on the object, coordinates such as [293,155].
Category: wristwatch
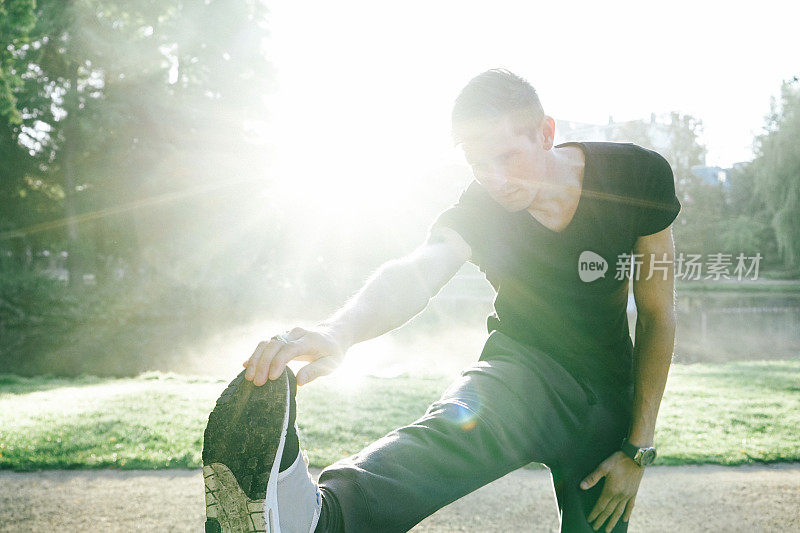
[640,456]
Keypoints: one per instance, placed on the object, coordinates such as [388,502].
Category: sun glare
[343,167]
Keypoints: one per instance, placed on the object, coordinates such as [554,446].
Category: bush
[118,329]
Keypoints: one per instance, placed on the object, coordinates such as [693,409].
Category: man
[558,382]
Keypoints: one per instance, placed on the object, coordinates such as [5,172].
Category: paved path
[685,499]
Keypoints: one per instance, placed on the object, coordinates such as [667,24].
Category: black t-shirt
[552,291]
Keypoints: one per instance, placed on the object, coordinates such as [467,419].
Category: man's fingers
[264,361]
[252,363]
[605,513]
[295,334]
[612,522]
[320,367]
[629,509]
[271,357]
[285,353]
[602,503]
[590,480]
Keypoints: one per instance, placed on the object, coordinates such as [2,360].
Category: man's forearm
[393,295]
[652,355]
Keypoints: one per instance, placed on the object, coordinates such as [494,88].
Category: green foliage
[16,20]
[733,217]
[118,329]
[697,226]
[777,170]
[702,212]
[678,141]
[132,134]
[745,234]
[684,149]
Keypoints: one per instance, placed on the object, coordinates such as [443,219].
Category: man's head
[491,96]
[499,122]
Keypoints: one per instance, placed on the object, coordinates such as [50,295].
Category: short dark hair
[493,95]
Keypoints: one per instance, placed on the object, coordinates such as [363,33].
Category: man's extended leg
[511,408]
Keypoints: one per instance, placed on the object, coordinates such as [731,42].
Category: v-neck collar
[581,200]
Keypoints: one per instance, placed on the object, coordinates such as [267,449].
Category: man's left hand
[619,491]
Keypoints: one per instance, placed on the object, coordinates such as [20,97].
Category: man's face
[510,165]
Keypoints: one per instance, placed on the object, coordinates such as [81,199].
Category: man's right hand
[393,295]
[316,345]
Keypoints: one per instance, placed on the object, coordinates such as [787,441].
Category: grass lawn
[733,413]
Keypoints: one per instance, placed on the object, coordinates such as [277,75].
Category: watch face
[649,456]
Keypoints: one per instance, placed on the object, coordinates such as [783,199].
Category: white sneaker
[297,494]
[242,449]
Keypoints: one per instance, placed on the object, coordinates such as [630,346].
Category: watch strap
[629,449]
[641,456]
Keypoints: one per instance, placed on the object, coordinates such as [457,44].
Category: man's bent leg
[606,427]
[499,416]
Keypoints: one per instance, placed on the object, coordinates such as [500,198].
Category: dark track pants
[514,406]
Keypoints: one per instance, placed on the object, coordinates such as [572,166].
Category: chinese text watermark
[689,267]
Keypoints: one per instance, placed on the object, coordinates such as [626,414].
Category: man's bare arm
[400,289]
[655,333]
[395,293]
[652,354]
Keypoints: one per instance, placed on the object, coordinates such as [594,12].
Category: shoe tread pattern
[228,509]
[244,429]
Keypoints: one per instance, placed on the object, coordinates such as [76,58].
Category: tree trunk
[75,262]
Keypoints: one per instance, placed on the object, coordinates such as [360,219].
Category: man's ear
[548,129]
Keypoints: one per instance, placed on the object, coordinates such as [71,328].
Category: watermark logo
[717,266]
[692,267]
[591,266]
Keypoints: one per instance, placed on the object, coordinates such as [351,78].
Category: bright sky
[366,85]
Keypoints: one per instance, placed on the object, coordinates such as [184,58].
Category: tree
[745,227]
[126,140]
[777,170]
[124,104]
[678,140]
[16,20]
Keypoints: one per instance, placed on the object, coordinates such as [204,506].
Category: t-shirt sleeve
[459,216]
[471,217]
[658,205]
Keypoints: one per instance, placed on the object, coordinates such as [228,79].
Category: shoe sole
[242,446]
